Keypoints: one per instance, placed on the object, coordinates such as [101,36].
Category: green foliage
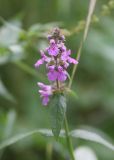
[19,137]
[81,133]
[70,94]
[57,110]
[5,93]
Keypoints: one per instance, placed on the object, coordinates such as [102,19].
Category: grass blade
[87,25]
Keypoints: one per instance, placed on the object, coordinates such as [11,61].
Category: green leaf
[72,94]
[78,133]
[92,136]
[9,32]
[10,54]
[10,120]
[10,49]
[5,93]
[4,55]
[19,137]
[58,109]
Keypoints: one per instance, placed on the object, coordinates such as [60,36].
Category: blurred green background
[23,27]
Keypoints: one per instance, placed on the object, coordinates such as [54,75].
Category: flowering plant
[57,58]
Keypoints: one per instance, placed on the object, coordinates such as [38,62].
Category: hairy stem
[69,143]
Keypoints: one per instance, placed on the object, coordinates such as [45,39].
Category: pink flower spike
[57,59]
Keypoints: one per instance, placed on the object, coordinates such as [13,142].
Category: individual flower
[62,74]
[52,73]
[45,92]
[62,47]
[43,59]
[66,57]
[53,49]
[57,73]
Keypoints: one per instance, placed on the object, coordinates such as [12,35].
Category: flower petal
[62,76]
[72,60]
[38,63]
[45,100]
[52,75]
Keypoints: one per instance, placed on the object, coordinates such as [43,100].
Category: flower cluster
[57,59]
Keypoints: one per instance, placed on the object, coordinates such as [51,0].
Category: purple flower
[66,57]
[72,60]
[57,74]
[62,74]
[62,47]
[46,91]
[38,63]
[53,49]
[42,60]
[52,74]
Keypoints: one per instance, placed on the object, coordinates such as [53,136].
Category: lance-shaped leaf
[5,93]
[58,109]
[78,133]
[91,136]
[21,136]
